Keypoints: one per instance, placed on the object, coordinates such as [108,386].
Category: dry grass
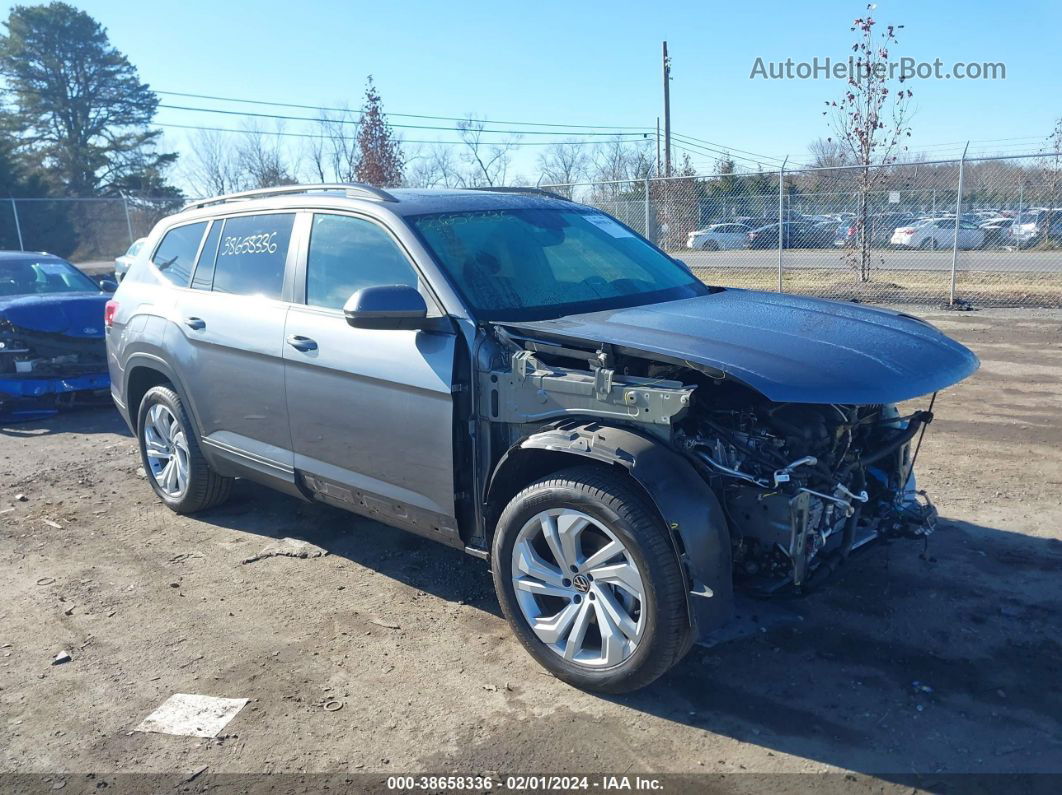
[901,286]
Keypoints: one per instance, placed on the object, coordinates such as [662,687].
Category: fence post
[18,226]
[781,228]
[128,223]
[955,239]
[647,232]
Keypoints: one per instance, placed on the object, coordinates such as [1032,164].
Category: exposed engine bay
[804,485]
[801,485]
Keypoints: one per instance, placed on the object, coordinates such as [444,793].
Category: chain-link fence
[83,230]
[986,231]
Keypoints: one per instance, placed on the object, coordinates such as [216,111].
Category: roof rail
[353,190]
[534,191]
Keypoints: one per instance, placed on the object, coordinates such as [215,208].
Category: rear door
[230,324]
[370,410]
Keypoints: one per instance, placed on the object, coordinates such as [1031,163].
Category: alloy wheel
[167,450]
[579,588]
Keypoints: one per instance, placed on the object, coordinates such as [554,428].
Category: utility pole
[667,113]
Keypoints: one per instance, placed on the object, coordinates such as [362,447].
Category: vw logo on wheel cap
[581,583]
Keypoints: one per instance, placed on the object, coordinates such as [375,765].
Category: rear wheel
[589,581]
[710,245]
[172,459]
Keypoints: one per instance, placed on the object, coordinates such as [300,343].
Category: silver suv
[530,380]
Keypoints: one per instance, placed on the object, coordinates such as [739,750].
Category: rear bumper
[15,388]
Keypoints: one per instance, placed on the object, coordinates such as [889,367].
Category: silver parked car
[122,263]
[529,380]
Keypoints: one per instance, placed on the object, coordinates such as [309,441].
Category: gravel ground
[929,662]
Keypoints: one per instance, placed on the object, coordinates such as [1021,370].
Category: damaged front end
[793,488]
[43,371]
[803,486]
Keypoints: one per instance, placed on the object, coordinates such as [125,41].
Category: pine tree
[79,108]
[380,152]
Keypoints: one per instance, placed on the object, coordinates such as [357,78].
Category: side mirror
[108,285]
[386,307]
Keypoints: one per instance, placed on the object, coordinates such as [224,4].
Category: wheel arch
[683,501]
[144,371]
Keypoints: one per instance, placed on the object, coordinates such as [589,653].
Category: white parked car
[122,263]
[719,237]
[935,233]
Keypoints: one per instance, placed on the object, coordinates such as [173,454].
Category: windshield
[42,277]
[533,264]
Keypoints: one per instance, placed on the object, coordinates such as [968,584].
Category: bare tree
[828,153]
[488,162]
[210,168]
[333,153]
[434,168]
[262,160]
[563,163]
[870,119]
[617,162]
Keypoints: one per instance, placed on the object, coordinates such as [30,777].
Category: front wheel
[589,581]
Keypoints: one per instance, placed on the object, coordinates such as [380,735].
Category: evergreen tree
[76,105]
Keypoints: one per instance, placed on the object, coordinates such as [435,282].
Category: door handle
[195,323]
[302,343]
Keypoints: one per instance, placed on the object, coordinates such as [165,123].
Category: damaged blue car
[52,350]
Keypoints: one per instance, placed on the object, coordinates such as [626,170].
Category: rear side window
[251,255]
[203,278]
[176,253]
[348,253]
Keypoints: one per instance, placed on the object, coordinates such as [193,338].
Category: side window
[203,278]
[251,255]
[176,253]
[348,253]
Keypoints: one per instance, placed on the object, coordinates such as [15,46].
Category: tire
[191,485]
[710,245]
[652,631]
[929,244]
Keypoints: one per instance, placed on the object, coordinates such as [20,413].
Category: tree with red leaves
[870,119]
[380,160]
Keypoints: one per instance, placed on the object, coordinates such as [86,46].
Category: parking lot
[928,661]
[891,259]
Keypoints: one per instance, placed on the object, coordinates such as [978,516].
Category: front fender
[684,501]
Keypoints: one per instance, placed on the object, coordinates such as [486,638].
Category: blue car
[52,350]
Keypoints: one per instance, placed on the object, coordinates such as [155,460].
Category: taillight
[109,312]
[905,230]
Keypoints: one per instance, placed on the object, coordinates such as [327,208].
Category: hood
[789,348]
[72,314]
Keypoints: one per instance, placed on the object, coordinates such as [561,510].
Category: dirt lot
[943,662]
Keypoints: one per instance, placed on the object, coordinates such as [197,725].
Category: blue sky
[594,63]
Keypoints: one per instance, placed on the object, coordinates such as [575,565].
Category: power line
[684,144]
[725,148]
[402,115]
[405,141]
[285,117]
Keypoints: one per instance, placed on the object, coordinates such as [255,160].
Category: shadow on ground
[88,419]
[907,661]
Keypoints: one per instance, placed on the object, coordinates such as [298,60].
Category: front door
[370,410]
